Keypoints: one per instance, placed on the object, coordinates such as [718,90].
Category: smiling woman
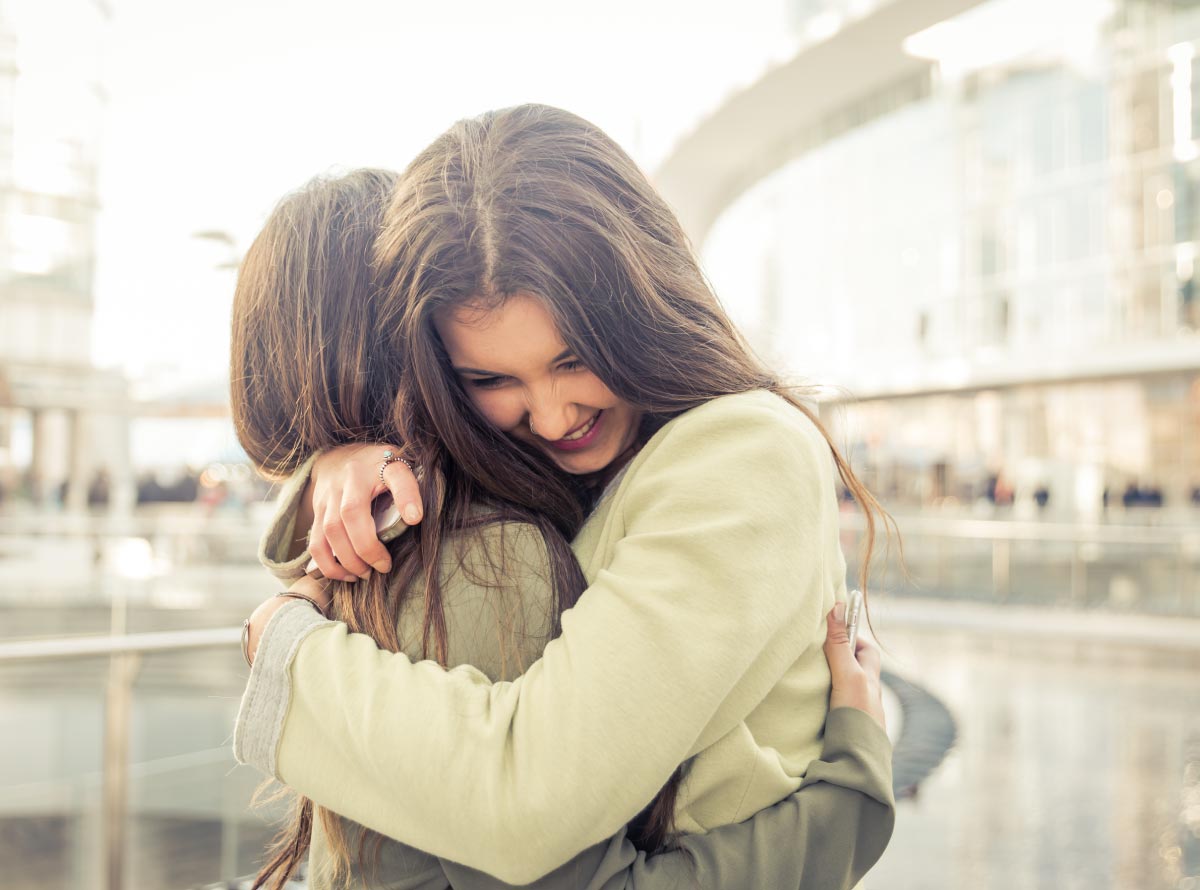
[537,390]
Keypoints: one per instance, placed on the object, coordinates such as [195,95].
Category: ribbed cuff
[268,693]
[277,540]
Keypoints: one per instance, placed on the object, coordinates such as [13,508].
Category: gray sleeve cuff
[281,530]
[859,751]
[269,691]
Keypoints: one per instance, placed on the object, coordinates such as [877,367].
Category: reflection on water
[1077,765]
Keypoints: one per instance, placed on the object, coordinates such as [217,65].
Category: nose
[551,418]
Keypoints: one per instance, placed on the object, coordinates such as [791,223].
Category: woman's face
[528,383]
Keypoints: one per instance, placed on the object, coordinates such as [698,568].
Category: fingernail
[411,514]
[365,575]
[839,612]
[382,567]
[312,564]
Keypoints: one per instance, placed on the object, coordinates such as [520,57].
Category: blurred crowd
[217,487]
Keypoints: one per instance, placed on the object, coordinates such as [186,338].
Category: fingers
[842,663]
[837,644]
[344,542]
[854,680]
[322,550]
[867,653]
[405,492]
[334,528]
[365,551]
[835,626]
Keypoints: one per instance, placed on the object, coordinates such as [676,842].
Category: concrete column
[122,489]
[79,460]
[39,458]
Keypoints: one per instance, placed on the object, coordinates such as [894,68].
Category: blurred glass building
[980,221]
[59,417]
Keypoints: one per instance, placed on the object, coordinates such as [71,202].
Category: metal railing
[125,654]
[1152,568]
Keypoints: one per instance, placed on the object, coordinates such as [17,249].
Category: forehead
[517,331]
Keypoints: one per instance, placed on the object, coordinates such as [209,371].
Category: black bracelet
[290,594]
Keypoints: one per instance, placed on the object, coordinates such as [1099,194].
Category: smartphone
[854,605]
[387,517]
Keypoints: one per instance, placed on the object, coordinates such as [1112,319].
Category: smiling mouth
[581,431]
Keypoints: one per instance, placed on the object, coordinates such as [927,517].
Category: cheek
[503,410]
[592,392]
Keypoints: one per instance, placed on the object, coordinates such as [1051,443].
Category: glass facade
[1001,276]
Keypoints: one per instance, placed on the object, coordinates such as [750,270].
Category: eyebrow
[558,358]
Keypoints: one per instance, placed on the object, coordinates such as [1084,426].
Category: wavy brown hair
[311,369]
[535,200]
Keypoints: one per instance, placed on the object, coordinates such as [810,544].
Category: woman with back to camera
[712,557]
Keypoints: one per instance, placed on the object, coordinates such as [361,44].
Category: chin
[580,466]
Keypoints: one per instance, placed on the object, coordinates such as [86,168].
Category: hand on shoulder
[344,537]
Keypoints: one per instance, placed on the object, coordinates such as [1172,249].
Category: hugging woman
[630,531]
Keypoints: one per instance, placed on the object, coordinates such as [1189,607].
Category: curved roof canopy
[761,128]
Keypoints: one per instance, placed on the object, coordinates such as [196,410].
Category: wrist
[860,695]
[256,624]
[318,591]
[306,588]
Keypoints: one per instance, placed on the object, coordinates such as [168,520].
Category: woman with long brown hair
[546,343]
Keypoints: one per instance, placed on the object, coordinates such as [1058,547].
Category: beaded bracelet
[290,594]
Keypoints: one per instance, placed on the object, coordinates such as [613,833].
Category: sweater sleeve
[497,606]
[716,585]
[281,530]
[825,836]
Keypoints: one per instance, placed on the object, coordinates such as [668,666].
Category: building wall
[1035,223]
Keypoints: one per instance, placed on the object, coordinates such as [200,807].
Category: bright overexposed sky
[216,110]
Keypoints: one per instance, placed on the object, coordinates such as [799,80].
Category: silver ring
[390,457]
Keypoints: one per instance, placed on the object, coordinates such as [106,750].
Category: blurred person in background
[308,275]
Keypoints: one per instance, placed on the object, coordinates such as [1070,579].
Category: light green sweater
[711,567]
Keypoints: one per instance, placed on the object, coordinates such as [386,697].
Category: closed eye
[486,382]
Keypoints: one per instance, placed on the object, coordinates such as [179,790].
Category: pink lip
[584,442]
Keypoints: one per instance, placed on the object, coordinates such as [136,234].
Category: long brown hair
[536,200]
[311,368]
